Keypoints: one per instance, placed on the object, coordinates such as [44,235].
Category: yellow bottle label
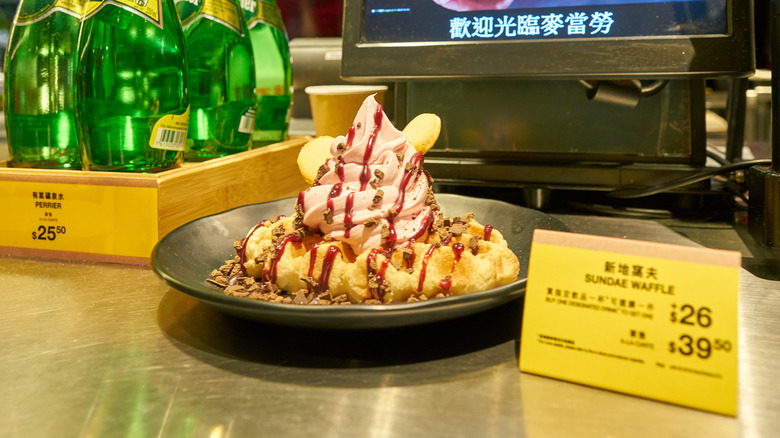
[267,13]
[149,9]
[32,11]
[225,12]
[653,320]
[170,132]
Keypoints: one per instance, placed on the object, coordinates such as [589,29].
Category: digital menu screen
[389,21]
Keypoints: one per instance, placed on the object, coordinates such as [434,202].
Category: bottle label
[170,132]
[265,13]
[247,123]
[36,10]
[225,12]
[148,9]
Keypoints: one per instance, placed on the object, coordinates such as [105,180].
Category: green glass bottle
[222,78]
[273,70]
[132,105]
[40,87]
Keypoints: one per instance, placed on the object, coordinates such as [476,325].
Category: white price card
[648,319]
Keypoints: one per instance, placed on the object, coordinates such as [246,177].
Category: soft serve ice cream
[374,191]
[367,230]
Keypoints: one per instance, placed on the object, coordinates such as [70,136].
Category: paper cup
[333,107]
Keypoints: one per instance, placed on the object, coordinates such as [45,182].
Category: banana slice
[313,155]
[423,131]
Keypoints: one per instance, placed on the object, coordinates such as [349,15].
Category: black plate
[185,257]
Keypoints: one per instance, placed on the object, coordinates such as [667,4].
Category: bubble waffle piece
[460,256]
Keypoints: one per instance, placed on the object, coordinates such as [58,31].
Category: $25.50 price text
[48,233]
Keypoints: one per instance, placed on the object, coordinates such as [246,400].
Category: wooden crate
[119,217]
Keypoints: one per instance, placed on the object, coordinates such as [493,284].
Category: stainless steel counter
[109,350]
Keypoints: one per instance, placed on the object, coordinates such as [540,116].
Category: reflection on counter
[110,350]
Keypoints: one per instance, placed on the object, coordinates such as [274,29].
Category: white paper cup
[333,107]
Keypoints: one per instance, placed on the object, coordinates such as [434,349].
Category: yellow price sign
[45,217]
[648,319]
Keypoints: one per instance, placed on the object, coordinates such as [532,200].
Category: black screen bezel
[667,57]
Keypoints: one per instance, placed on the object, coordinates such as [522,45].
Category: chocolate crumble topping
[321,171]
[370,222]
[474,245]
[457,229]
[378,196]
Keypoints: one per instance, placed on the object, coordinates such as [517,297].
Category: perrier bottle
[132,106]
[40,87]
[273,70]
[222,78]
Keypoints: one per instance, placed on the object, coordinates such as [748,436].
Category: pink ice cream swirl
[374,192]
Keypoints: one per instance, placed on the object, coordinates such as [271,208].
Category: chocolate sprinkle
[474,245]
[321,171]
[378,197]
[370,222]
[457,229]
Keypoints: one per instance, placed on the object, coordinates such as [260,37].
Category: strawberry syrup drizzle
[446,283]
[412,255]
[424,225]
[365,177]
[380,273]
[313,259]
[335,191]
[424,267]
[457,250]
[348,213]
[331,205]
[270,273]
[327,267]
[416,163]
[242,248]
[365,173]
[351,136]
[392,236]
[488,232]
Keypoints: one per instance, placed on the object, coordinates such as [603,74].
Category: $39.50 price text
[702,347]
[688,345]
